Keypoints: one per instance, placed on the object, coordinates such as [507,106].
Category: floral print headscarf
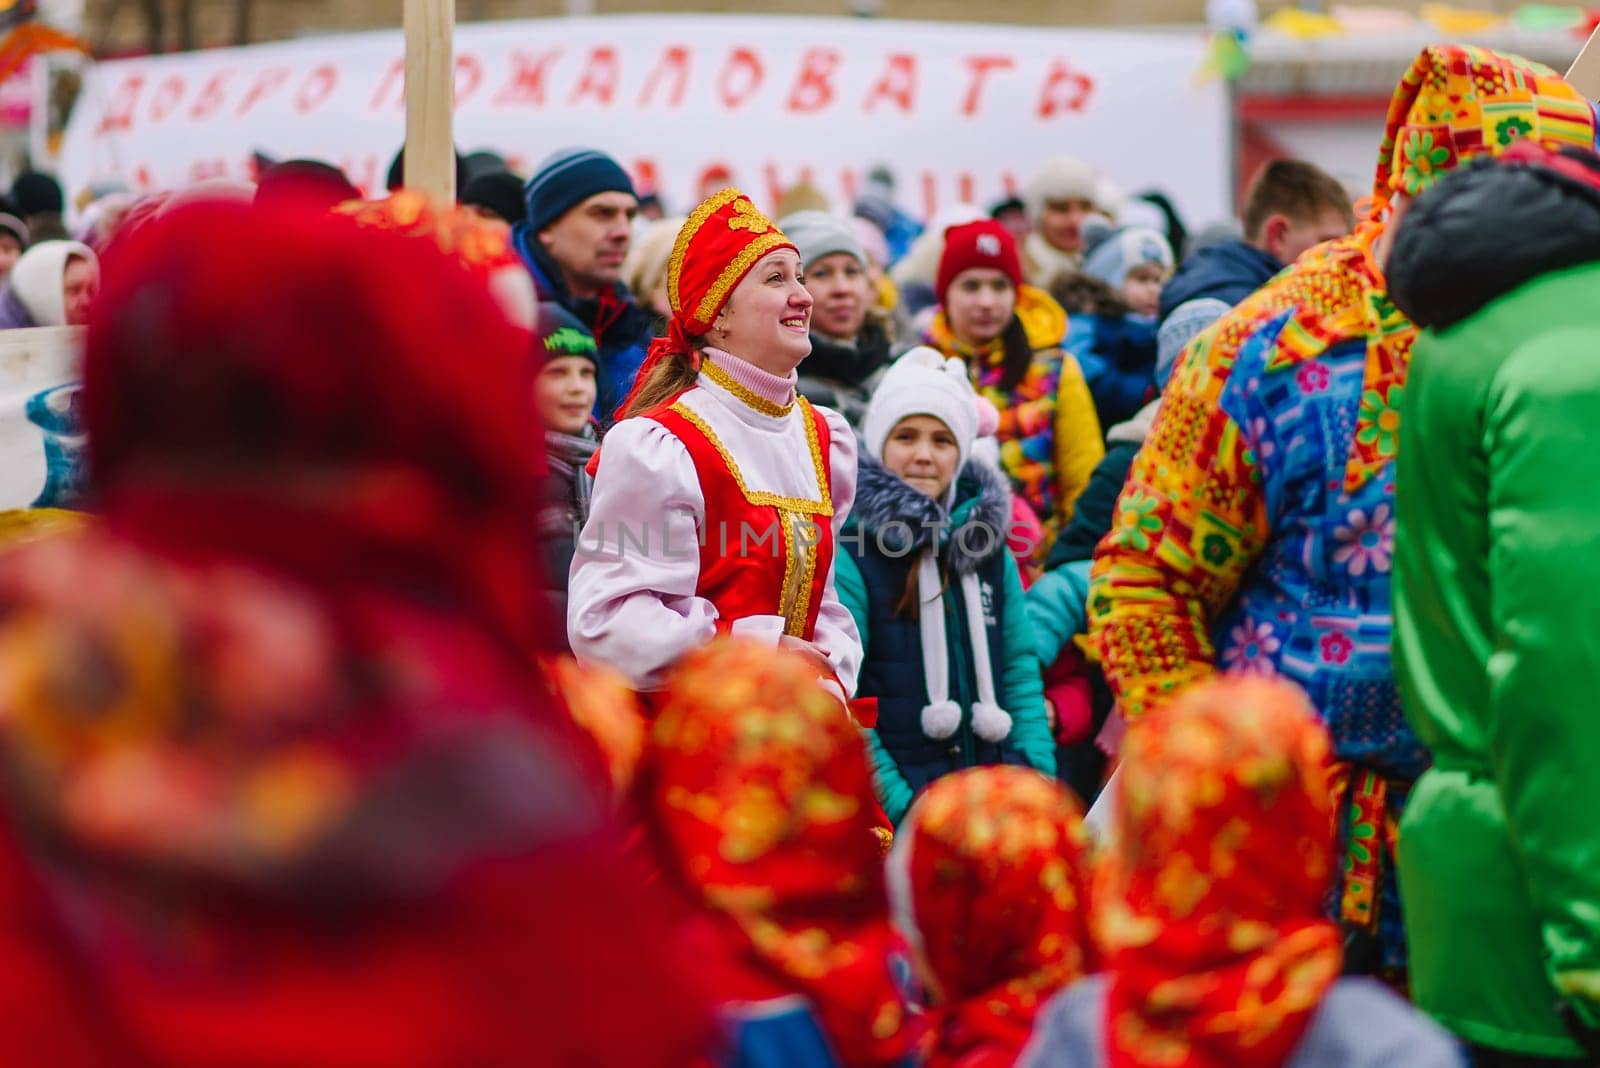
[1211,903]
[759,798]
[990,881]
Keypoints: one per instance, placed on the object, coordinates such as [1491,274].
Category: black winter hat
[37,193]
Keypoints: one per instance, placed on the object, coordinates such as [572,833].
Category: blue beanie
[566,179]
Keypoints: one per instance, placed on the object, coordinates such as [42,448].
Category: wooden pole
[1584,74]
[430,98]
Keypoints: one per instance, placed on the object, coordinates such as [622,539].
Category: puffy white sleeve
[631,600]
[836,633]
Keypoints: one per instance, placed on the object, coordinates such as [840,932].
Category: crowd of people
[545,630]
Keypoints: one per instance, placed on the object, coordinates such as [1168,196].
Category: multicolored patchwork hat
[1458,101]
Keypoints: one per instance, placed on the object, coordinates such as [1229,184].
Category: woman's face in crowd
[79,285]
[563,394]
[979,305]
[1142,289]
[922,452]
[10,252]
[839,284]
[767,320]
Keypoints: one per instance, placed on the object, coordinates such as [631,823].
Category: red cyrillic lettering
[646,177]
[849,183]
[211,97]
[204,170]
[813,86]
[980,67]
[965,189]
[898,84]
[930,194]
[469,76]
[676,59]
[600,76]
[742,65]
[166,98]
[526,87]
[119,112]
[267,82]
[393,84]
[1064,90]
[316,89]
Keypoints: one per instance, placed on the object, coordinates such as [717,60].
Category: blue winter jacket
[889,526]
[1228,272]
[1118,357]
[622,330]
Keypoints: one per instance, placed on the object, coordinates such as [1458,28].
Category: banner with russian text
[958,112]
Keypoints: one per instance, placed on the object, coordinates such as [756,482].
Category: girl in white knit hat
[924,569]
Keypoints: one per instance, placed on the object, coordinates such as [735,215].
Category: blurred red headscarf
[759,802]
[1212,901]
[990,880]
[286,784]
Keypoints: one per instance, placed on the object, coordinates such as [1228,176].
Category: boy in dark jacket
[563,396]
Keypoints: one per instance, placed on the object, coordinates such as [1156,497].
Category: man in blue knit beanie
[581,205]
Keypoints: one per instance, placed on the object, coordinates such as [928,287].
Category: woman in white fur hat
[924,569]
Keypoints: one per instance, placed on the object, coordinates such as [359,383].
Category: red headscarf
[282,784]
[990,877]
[1211,904]
[760,803]
[721,241]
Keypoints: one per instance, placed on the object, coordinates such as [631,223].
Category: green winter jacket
[1497,635]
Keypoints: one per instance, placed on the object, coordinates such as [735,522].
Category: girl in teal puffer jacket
[924,569]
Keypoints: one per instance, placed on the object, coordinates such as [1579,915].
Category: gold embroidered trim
[754,400]
[680,248]
[734,272]
[802,603]
[824,507]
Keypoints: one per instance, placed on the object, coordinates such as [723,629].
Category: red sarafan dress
[990,880]
[757,805]
[282,782]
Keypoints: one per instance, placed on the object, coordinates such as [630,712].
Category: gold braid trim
[734,272]
[680,248]
[824,507]
[754,400]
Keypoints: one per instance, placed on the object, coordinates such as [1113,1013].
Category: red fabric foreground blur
[1211,903]
[281,784]
[994,871]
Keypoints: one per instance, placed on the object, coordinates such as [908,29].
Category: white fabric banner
[959,112]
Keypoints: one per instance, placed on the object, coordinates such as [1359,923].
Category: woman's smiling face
[767,320]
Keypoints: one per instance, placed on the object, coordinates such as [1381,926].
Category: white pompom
[942,718]
[989,722]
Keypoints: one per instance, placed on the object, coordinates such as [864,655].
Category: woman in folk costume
[989,882]
[758,806]
[1256,529]
[719,493]
[282,786]
[937,597]
[1209,905]
[1009,335]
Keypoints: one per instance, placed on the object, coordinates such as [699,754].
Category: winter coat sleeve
[1058,609]
[1191,520]
[1079,443]
[1544,738]
[631,601]
[1021,685]
[1091,519]
[894,793]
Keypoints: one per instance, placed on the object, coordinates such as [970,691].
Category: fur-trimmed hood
[903,520]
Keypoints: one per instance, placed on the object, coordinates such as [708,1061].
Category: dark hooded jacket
[1228,272]
[889,526]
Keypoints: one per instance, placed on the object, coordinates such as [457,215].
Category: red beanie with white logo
[984,243]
